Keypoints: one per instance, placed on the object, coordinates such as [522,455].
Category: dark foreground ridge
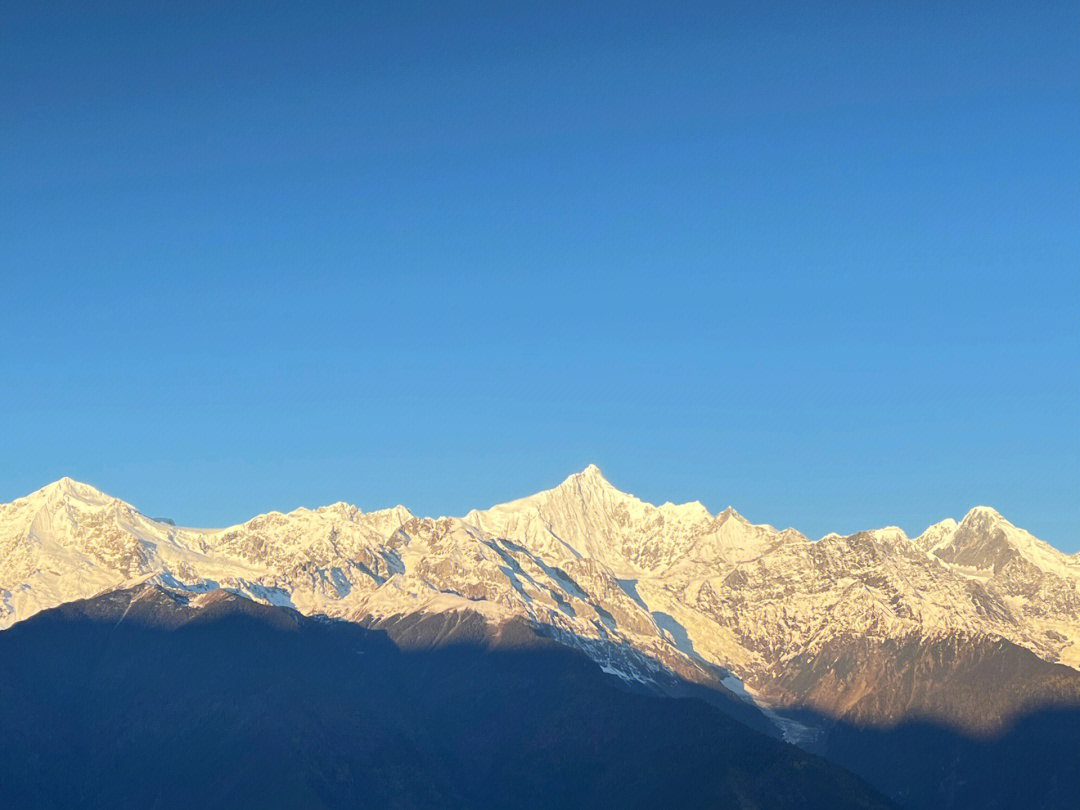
[144,699]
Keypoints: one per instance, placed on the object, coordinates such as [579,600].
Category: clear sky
[817,261]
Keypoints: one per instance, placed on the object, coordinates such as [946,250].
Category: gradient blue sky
[817,261]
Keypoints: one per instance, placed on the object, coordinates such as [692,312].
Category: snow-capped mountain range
[644,590]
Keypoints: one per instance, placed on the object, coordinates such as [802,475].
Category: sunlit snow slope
[644,590]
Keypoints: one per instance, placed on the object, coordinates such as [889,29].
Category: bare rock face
[874,627]
[975,683]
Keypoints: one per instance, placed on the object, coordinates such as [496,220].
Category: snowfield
[642,589]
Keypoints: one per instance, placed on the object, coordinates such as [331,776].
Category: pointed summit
[65,490]
[587,488]
[983,515]
[984,540]
[729,513]
[591,475]
[587,517]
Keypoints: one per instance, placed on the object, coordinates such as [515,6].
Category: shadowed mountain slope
[1029,764]
[150,698]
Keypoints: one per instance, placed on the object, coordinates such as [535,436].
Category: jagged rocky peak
[587,490]
[729,513]
[592,474]
[388,520]
[340,509]
[984,516]
[588,486]
[590,483]
[730,521]
[586,516]
[983,540]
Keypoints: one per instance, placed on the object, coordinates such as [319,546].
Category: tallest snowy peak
[591,475]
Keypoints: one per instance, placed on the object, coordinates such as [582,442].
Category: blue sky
[817,261]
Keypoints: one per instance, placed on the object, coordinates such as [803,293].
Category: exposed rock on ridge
[642,589]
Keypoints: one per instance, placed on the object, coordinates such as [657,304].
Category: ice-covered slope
[69,541]
[643,589]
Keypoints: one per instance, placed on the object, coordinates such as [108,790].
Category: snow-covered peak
[590,480]
[591,471]
[731,538]
[586,516]
[386,521]
[891,535]
[595,491]
[986,541]
[983,516]
[936,534]
[68,490]
[946,525]
[341,509]
[576,492]
[689,512]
